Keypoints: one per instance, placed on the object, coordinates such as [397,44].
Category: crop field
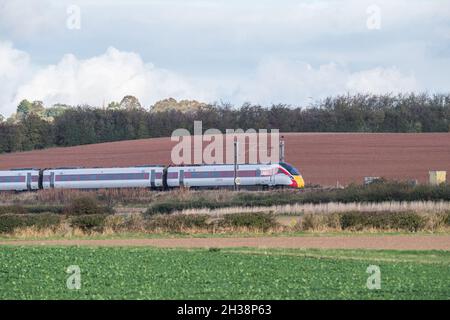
[239,273]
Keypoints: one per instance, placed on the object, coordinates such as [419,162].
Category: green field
[150,273]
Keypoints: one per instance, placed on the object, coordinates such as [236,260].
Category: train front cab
[296,179]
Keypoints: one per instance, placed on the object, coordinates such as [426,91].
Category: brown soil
[323,158]
[323,242]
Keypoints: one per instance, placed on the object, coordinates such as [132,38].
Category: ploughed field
[151,273]
[322,158]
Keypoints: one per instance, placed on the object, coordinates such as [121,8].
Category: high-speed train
[153,177]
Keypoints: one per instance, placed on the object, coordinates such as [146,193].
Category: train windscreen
[292,170]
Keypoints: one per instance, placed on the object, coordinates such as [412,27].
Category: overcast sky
[279,51]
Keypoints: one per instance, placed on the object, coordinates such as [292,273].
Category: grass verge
[166,235]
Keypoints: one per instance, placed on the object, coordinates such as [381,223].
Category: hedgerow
[256,221]
[378,192]
[176,222]
[86,206]
[11,222]
[90,223]
[408,221]
[19,209]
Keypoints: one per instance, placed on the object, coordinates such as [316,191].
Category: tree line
[69,126]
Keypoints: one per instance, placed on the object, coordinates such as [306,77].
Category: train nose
[299,181]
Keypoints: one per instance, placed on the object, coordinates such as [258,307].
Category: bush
[115,222]
[165,208]
[14,209]
[86,206]
[177,222]
[133,223]
[171,206]
[409,221]
[17,209]
[447,219]
[257,221]
[310,222]
[319,221]
[10,222]
[90,222]
[45,209]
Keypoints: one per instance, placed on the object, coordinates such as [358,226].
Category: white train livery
[153,177]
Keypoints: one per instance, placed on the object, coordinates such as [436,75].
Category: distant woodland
[35,126]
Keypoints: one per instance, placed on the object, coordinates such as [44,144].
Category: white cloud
[105,78]
[14,69]
[381,80]
[298,82]
[114,74]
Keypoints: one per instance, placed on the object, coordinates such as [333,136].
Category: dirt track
[323,242]
[323,158]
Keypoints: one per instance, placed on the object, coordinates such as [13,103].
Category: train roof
[224,164]
[72,168]
[142,166]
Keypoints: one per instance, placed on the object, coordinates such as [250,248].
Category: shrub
[133,223]
[171,206]
[90,222]
[320,221]
[310,222]
[17,209]
[409,221]
[86,206]
[115,222]
[447,219]
[10,222]
[45,209]
[165,208]
[257,221]
[14,209]
[177,222]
